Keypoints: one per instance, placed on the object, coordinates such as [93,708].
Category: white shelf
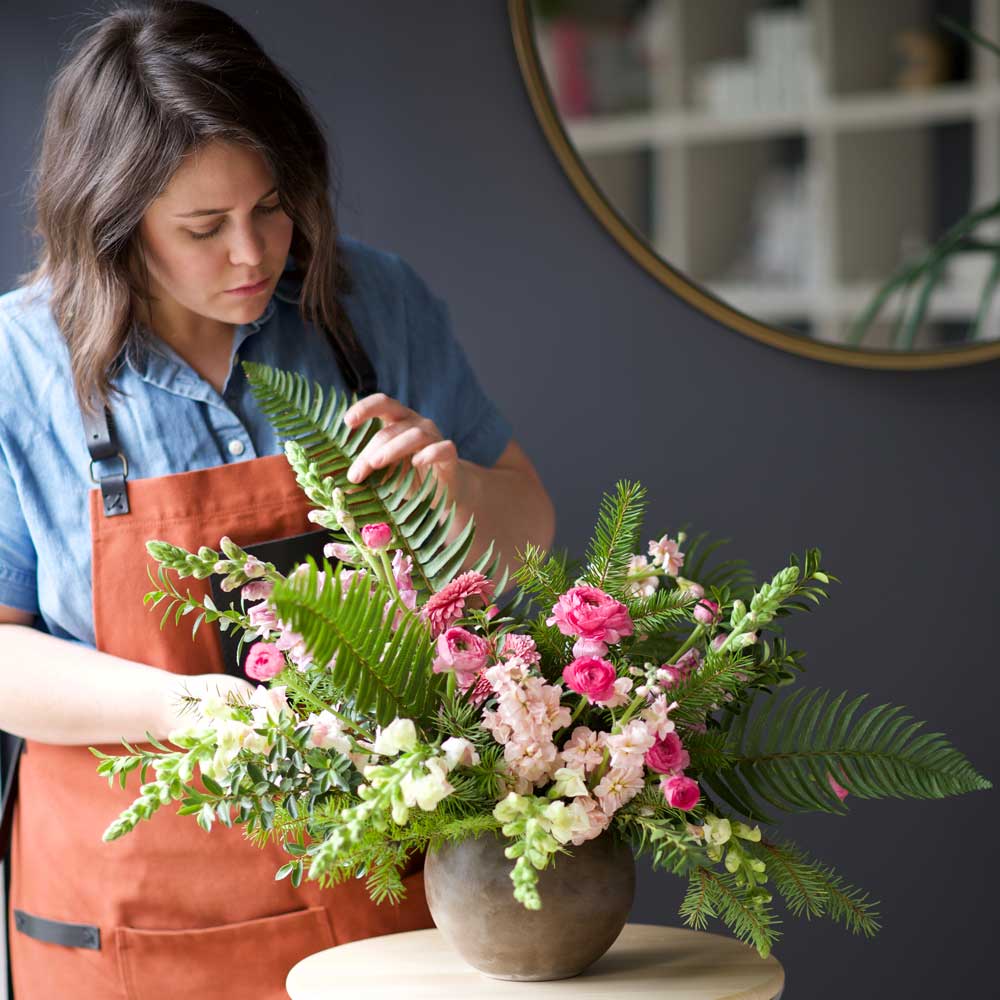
[617,133]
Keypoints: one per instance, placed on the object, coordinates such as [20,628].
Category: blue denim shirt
[174,421]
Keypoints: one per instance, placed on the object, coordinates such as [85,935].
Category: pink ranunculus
[680,792]
[838,789]
[667,755]
[264,661]
[707,612]
[376,536]
[592,677]
[257,590]
[461,651]
[444,608]
[589,613]
[589,647]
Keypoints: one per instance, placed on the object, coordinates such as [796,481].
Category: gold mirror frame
[636,245]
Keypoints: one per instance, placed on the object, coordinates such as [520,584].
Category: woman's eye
[263,209]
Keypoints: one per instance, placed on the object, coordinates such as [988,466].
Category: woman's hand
[406,437]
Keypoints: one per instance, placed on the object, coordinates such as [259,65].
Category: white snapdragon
[568,783]
[459,752]
[400,736]
[565,822]
[428,789]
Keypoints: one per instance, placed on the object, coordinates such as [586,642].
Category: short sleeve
[18,563]
[443,385]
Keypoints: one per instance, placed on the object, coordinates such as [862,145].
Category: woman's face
[217,226]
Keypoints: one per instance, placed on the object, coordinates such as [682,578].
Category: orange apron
[168,910]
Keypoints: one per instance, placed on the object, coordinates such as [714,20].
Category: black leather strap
[57,931]
[11,755]
[102,443]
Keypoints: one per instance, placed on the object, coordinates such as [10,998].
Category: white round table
[668,963]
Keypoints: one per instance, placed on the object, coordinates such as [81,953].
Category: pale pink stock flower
[707,612]
[690,589]
[591,677]
[620,695]
[666,553]
[628,748]
[680,792]
[618,786]
[589,613]
[657,716]
[327,732]
[262,618]
[343,552]
[667,755]
[583,750]
[493,722]
[543,704]
[264,661]
[445,607]
[377,536]
[584,648]
[644,584]
[599,820]
[521,646]
[257,590]
[463,652]
[402,567]
[267,703]
[536,761]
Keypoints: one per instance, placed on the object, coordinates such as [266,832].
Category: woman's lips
[249,289]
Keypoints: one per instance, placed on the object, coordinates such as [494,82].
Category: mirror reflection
[794,158]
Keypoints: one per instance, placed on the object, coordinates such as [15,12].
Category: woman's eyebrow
[217,211]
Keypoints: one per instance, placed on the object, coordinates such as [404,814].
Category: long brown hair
[146,85]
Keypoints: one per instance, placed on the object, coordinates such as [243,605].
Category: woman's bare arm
[56,691]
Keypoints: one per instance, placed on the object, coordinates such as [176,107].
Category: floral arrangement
[639,691]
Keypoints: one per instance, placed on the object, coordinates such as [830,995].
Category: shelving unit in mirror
[789,156]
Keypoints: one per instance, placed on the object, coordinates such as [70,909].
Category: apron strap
[10,755]
[102,443]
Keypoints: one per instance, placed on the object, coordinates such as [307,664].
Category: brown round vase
[586,900]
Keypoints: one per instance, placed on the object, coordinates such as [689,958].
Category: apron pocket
[250,959]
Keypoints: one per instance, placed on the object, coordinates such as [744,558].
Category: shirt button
[236,447]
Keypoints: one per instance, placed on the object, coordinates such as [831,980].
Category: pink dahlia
[448,605]
[589,613]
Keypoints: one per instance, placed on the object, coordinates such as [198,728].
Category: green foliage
[744,910]
[665,608]
[376,669]
[616,537]
[542,577]
[816,890]
[313,418]
[664,841]
[785,755]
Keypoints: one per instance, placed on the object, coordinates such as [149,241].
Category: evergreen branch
[662,609]
[718,895]
[616,537]
[815,889]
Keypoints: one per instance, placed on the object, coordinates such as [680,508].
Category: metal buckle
[93,462]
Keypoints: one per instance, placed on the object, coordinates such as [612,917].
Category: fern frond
[374,667]
[616,537]
[787,752]
[732,573]
[313,418]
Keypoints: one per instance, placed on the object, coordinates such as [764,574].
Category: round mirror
[823,175]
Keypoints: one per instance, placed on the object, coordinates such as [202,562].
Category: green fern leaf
[373,667]
[787,752]
[313,418]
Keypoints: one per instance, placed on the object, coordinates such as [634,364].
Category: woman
[185,225]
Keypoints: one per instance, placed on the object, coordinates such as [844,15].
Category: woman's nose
[247,246]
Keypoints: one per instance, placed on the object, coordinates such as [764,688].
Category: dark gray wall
[605,374]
